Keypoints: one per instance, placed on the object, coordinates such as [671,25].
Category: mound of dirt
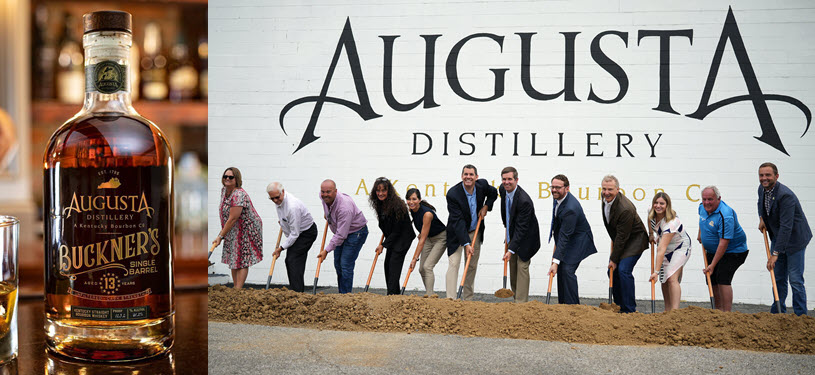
[504,293]
[691,326]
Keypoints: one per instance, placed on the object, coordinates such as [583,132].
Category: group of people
[469,201]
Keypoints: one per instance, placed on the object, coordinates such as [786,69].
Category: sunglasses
[229,177]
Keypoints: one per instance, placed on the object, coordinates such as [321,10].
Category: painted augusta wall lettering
[730,33]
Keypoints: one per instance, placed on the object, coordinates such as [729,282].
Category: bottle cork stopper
[108,20]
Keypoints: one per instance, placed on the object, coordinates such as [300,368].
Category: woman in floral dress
[241,228]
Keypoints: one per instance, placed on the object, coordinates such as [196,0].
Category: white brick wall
[267,54]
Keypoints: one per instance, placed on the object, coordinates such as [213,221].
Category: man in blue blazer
[522,232]
[466,202]
[781,214]
[573,240]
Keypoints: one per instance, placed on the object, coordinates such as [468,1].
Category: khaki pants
[452,271]
[519,278]
[432,251]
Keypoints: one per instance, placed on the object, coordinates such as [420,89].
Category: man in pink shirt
[350,231]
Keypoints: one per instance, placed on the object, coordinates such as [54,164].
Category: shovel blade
[548,295]
[460,289]
[315,286]
[268,282]
[403,291]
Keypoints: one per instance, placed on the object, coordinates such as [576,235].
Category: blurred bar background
[42,86]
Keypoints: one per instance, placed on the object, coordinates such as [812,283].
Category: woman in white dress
[673,248]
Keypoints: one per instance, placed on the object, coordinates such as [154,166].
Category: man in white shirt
[300,231]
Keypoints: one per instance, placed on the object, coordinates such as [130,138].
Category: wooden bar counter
[187,356]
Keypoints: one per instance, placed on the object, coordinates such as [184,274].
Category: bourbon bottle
[108,201]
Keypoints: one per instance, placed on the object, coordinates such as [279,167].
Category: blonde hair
[670,214]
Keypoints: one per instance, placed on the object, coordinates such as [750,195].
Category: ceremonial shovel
[211,248]
[551,276]
[610,278]
[467,264]
[274,259]
[320,261]
[653,282]
[772,273]
[707,279]
[368,284]
[504,292]
[415,258]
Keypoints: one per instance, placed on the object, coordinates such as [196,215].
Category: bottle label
[106,77]
[108,239]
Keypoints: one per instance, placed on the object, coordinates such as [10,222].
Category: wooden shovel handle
[322,247]
[707,275]
[610,271]
[551,276]
[506,248]
[274,259]
[371,274]
[415,258]
[475,238]
[772,272]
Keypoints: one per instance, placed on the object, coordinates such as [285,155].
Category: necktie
[509,206]
[552,227]
[767,197]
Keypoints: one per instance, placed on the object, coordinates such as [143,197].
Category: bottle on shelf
[203,53]
[70,77]
[108,228]
[153,65]
[183,76]
[44,56]
[134,72]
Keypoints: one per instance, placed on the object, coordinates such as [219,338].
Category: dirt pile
[504,293]
[691,326]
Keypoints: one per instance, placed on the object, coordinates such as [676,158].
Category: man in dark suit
[781,214]
[629,237]
[466,202]
[522,232]
[573,240]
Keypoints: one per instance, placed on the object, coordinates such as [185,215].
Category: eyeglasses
[275,198]
[229,177]
[558,187]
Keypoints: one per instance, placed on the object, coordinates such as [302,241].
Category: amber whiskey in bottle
[108,201]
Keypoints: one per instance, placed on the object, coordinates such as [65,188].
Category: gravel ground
[253,349]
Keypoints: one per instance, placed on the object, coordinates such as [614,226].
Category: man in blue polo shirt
[724,242]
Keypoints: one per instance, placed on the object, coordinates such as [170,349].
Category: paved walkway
[253,349]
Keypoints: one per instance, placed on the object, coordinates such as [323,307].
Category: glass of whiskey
[9,237]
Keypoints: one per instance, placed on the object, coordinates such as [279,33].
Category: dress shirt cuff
[465,244]
[555,261]
[510,251]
